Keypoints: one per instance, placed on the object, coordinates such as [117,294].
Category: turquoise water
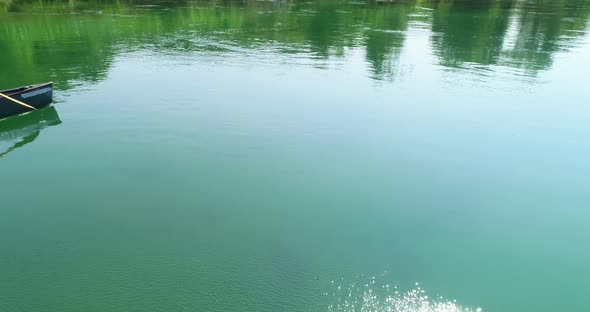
[297,156]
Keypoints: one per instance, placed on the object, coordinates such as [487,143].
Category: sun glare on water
[375,297]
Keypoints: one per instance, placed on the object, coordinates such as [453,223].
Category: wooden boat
[22,130]
[25,99]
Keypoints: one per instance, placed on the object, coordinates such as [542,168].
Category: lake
[323,155]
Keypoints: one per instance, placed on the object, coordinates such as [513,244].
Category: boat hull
[37,96]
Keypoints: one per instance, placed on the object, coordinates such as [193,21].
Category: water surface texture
[297,156]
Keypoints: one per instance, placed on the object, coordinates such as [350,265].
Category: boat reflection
[19,131]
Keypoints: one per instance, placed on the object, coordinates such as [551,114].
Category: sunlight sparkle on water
[373,297]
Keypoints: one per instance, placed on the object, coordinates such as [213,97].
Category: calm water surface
[297,156]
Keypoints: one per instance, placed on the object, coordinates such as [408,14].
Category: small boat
[25,99]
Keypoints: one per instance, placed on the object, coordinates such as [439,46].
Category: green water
[297,156]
